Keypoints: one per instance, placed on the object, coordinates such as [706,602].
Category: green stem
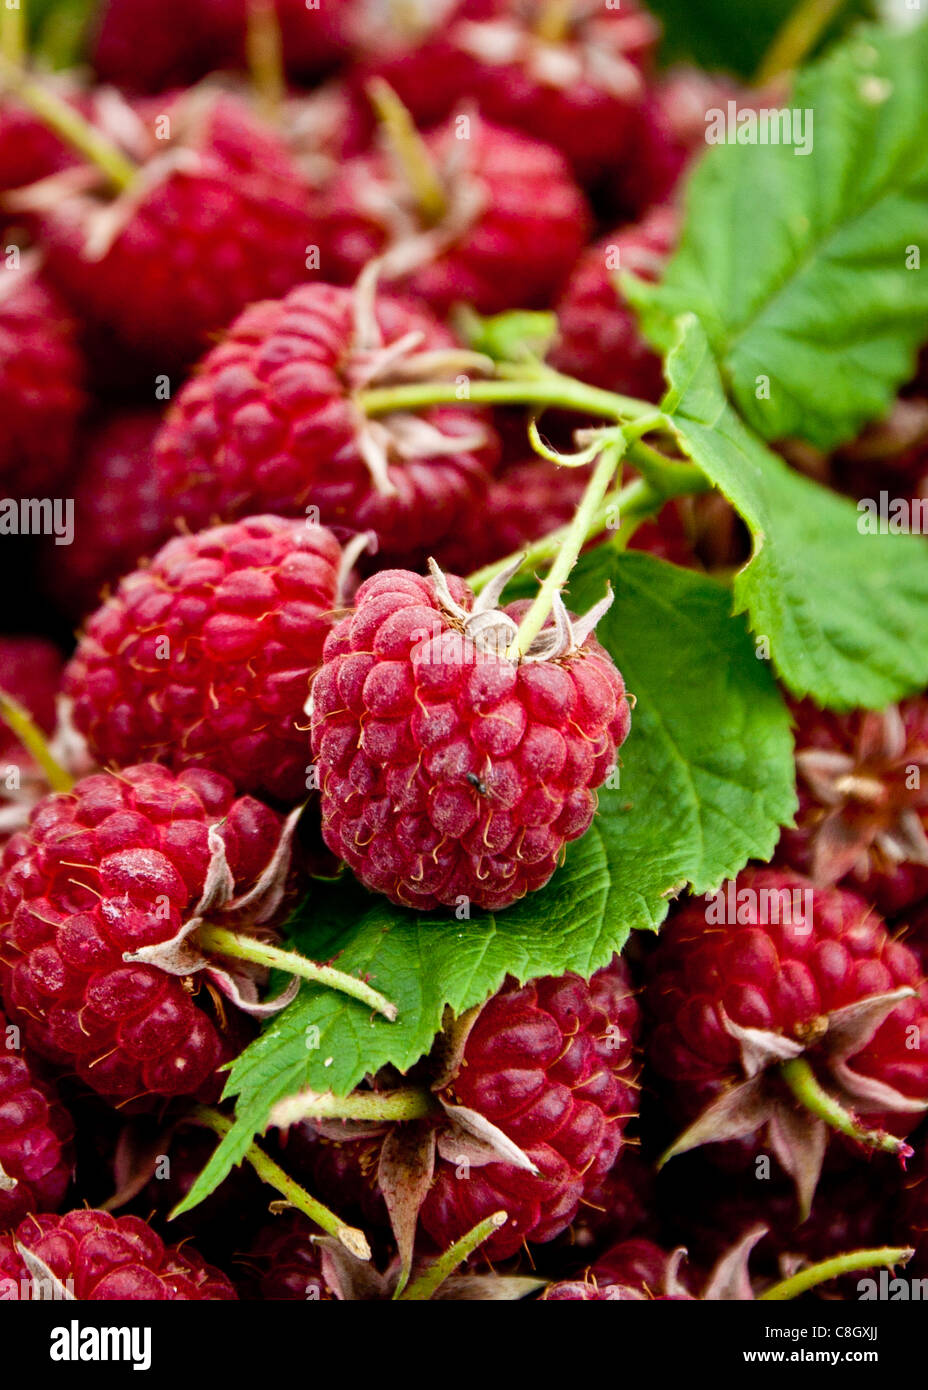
[547,547]
[886,1257]
[796,38]
[553,24]
[802,1081]
[271,1173]
[13,32]
[239,947]
[566,558]
[421,1289]
[20,722]
[409,1103]
[668,477]
[548,389]
[265,56]
[55,113]
[410,150]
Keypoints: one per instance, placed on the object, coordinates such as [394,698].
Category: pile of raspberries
[265,611]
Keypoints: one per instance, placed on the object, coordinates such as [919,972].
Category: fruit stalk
[886,1257]
[410,151]
[13,32]
[20,722]
[549,388]
[566,558]
[802,1081]
[421,1289]
[271,1173]
[265,56]
[409,1103]
[238,947]
[67,123]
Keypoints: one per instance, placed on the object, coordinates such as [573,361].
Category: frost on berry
[203,658]
[450,770]
[738,999]
[103,875]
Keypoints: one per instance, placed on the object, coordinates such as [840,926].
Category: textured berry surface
[204,657]
[99,1257]
[577,87]
[288,1265]
[117,864]
[41,386]
[599,338]
[268,424]
[633,1271]
[35,1135]
[785,977]
[447,773]
[30,671]
[863,806]
[552,1065]
[118,512]
[221,217]
[513,225]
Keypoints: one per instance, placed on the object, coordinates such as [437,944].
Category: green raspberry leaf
[844,612]
[706,781]
[803,269]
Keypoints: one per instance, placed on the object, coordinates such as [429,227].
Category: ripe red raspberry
[35,1135]
[41,378]
[634,1271]
[118,514]
[507,223]
[269,423]
[552,1065]
[288,1264]
[773,1003]
[30,671]
[599,340]
[110,870]
[863,809]
[449,771]
[150,45]
[573,75]
[204,657]
[93,1256]
[217,216]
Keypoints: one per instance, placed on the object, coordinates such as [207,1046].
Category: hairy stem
[566,558]
[20,722]
[271,1173]
[796,38]
[55,113]
[240,947]
[13,32]
[265,56]
[410,150]
[802,1081]
[885,1257]
[548,388]
[421,1289]
[409,1103]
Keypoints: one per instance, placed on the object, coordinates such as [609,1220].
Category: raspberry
[35,1136]
[863,812]
[41,379]
[150,45]
[599,340]
[105,871]
[203,658]
[269,424]
[633,1271]
[118,512]
[772,1004]
[551,1064]
[216,217]
[98,1257]
[576,84]
[448,770]
[504,225]
[289,1264]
